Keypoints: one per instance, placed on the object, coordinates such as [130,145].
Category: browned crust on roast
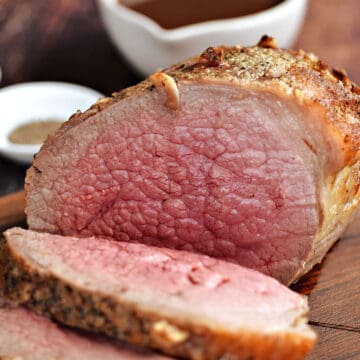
[262,66]
[284,72]
[55,298]
[268,42]
[292,74]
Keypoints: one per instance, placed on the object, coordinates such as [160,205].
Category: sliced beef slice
[250,155]
[184,304]
[27,336]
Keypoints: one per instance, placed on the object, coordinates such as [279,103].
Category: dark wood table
[64,40]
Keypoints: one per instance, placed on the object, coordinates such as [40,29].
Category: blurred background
[64,40]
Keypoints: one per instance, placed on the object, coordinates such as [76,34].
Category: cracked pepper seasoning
[34,132]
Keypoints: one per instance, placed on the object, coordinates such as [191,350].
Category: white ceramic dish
[148,47]
[23,103]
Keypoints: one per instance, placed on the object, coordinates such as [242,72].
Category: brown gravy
[34,132]
[171,14]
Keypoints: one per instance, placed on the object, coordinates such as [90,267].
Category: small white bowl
[148,46]
[36,101]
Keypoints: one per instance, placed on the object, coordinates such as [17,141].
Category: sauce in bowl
[172,14]
[34,132]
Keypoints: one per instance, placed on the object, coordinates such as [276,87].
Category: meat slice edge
[182,303]
[26,335]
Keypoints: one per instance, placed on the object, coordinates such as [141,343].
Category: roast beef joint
[246,154]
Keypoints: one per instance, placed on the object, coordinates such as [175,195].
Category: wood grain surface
[64,40]
[335,344]
[12,208]
[329,306]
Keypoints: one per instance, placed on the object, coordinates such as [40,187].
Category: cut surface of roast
[182,303]
[244,154]
[25,335]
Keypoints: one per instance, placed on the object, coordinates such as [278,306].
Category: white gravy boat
[148,47]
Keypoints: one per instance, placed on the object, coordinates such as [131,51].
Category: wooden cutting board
[333,288]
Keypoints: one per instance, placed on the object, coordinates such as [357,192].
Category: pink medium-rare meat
[245,154]
[182,303]
[25,335]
